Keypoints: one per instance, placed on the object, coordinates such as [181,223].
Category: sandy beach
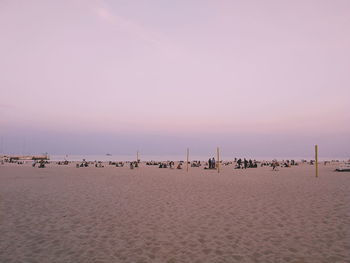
[68,214]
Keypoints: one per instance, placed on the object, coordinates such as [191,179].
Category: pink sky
[176,68]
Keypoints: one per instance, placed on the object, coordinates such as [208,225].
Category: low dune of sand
[68,214]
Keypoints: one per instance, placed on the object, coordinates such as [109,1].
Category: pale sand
[66,214]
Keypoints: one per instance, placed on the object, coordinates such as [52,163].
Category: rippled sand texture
[65,214]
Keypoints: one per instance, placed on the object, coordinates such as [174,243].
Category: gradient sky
[266,78]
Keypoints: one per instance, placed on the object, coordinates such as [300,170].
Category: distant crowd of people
[245,164]
[238,163]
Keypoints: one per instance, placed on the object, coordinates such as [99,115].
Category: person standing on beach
[239,162]
[245,163]
[213,163]
[209,163]
[274,165]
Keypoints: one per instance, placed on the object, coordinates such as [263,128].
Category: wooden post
[316,160]
[188,153]
[218,159]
